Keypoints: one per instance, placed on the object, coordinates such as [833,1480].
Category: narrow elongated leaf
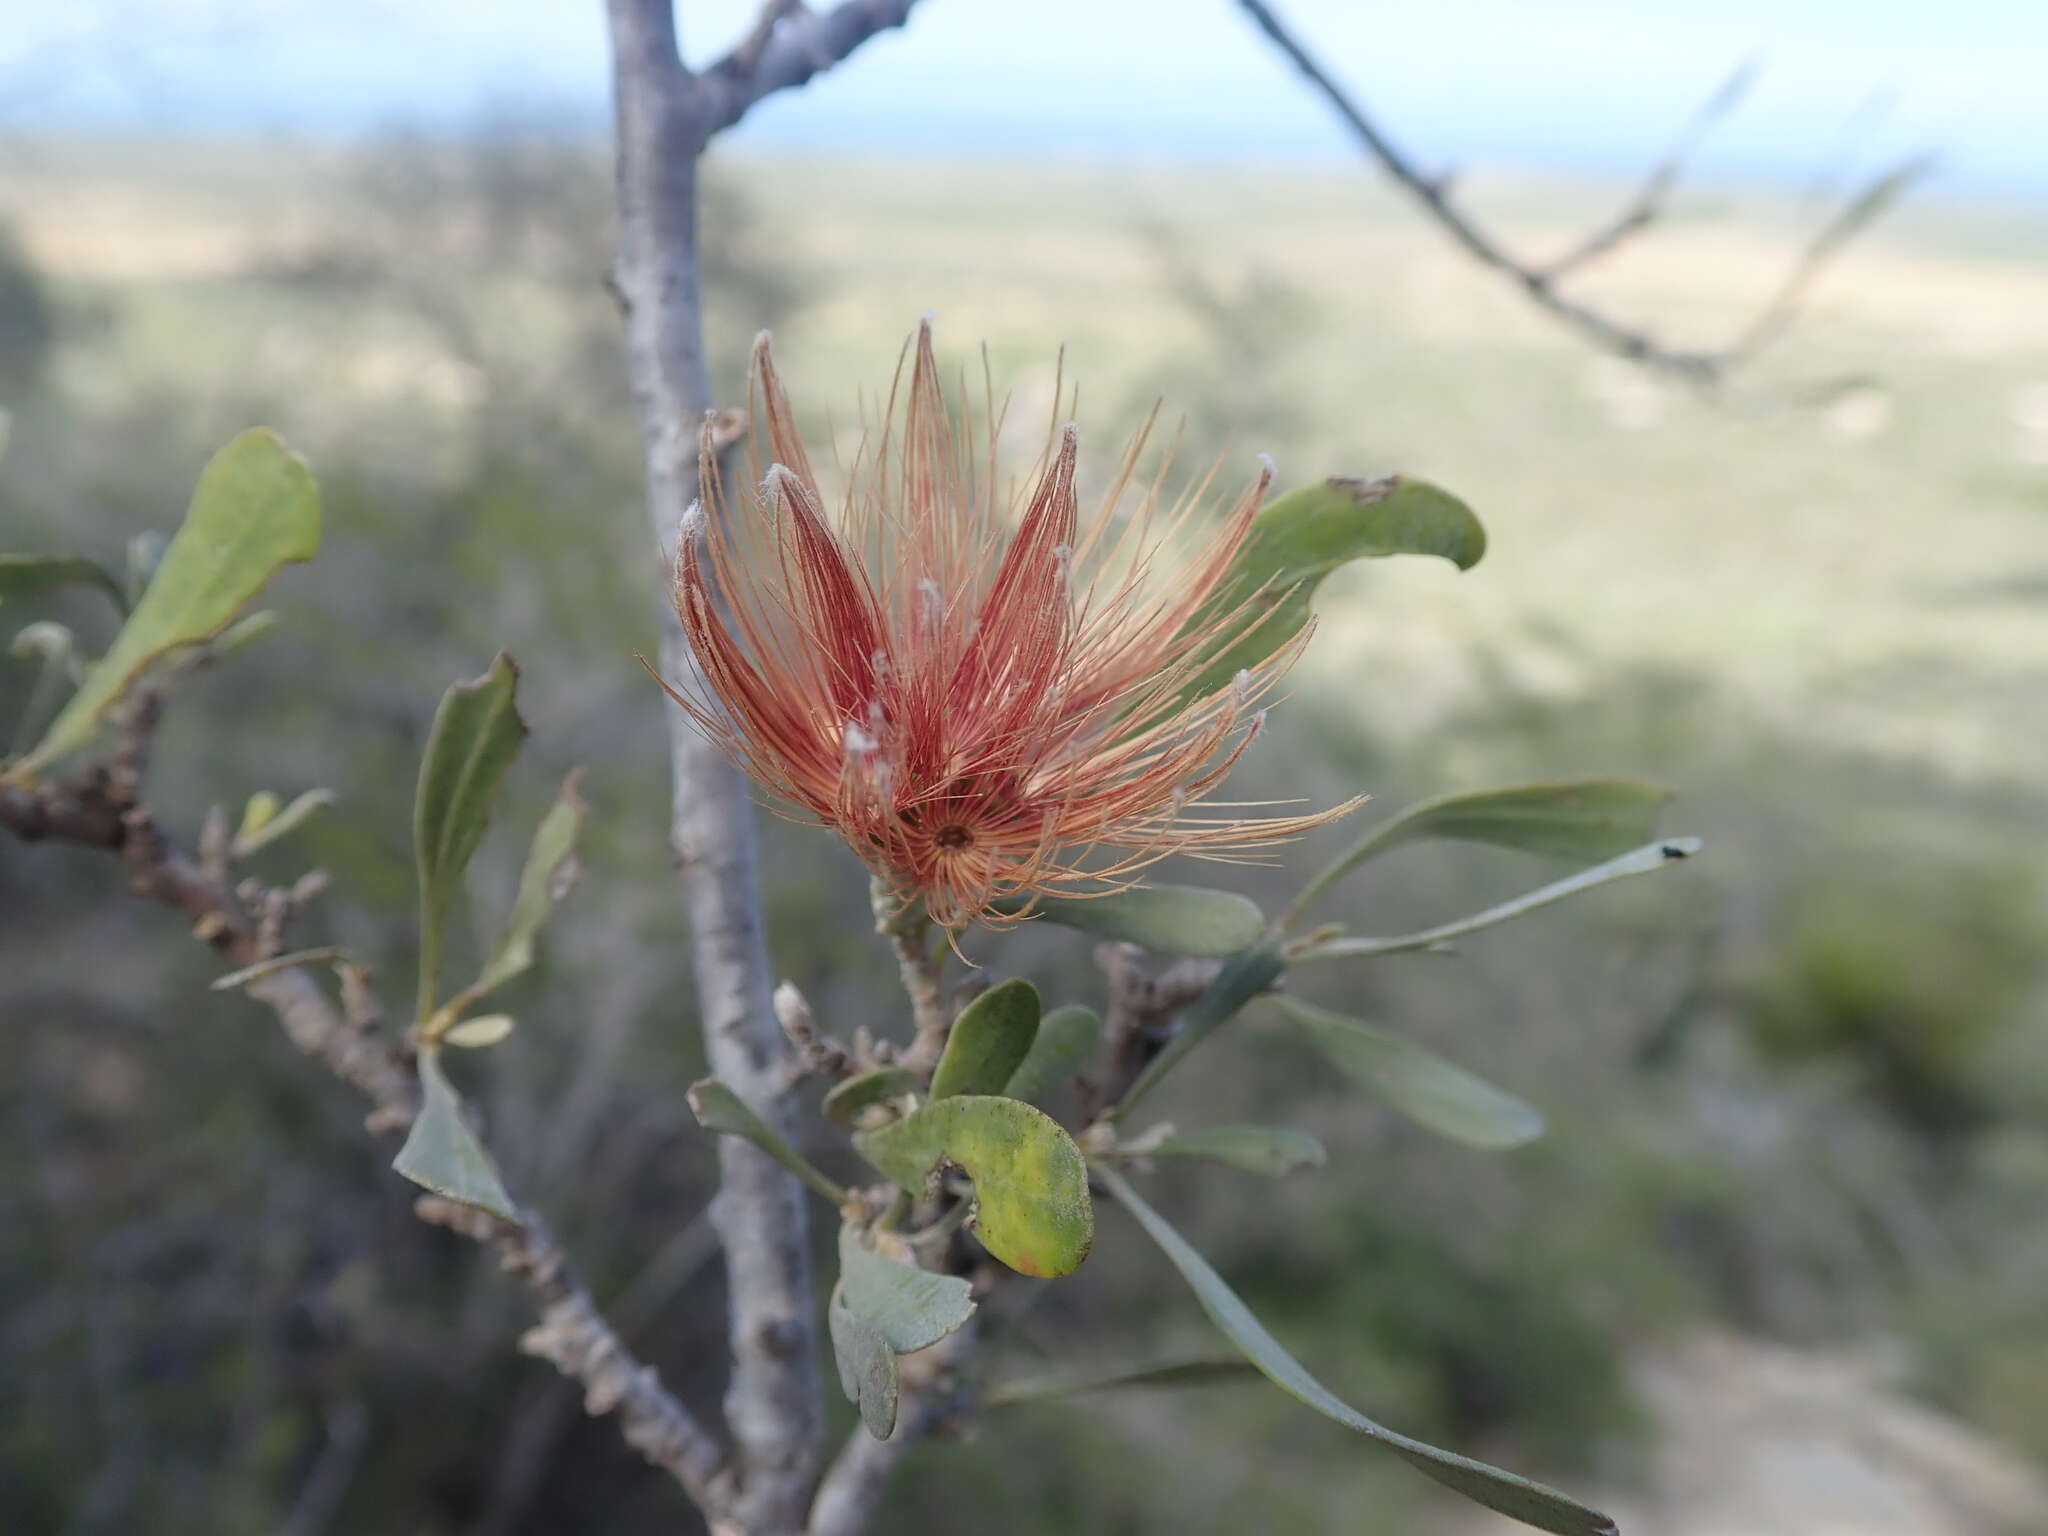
[1584,820]
[911,1308]
[1173,919]
[718,1109]
[1204,1370]
[264,821]
[550,871]
[1067,1037]
[844,1103]
[1427,1089]
[1267,1149]
[989,1041]
[255,509]
[442,1152]
[1030,1185]
[867,1366]
[26,575]
[1304,535]
[476,733]
[1517,1497]
[1243,977]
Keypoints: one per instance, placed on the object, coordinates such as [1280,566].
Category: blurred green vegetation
[1798,1086]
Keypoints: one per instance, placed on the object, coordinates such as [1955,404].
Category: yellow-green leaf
[1030,1184]
[486,1029]
[255,509]
[988,1041]
[1517,1497]
[442,1152]
[1426,1088]
[476,734]
[264,821]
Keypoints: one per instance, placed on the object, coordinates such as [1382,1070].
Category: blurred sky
[1582,85]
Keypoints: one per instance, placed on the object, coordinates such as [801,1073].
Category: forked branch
[1541,282]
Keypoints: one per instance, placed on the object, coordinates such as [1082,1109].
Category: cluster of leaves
[980,1113]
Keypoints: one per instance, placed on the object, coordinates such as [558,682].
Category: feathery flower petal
[985,703]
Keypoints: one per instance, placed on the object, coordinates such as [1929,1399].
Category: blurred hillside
[1799,1088]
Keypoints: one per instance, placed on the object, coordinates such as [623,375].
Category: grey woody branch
[103,808]
[1542,282]
[665,116]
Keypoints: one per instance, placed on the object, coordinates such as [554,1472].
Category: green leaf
[1271,1150]
[1173,919]
[1201,1371]
[1067,1037]
[550,871]
[264,821]
[476,734]
[1300,538]
[1243,977]
[988,1041]
[442,1152]
[1584,820]
[1643,861]
[486,1029]
[1427,1089]
[255,509]
[867,1366]
[719,1110]
[911,1308]
[27,575]
[1030,1184]
[845,1102]
[1504,1492]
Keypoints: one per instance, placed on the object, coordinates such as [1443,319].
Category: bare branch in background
[1541,282]
[102,808]
[665,117]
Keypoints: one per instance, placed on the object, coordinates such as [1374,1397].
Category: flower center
[954,837]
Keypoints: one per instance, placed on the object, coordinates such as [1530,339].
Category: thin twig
[101,810]
[1541,283]
[908,931]
[787,47]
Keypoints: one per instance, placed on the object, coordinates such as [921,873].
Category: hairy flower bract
[987,694]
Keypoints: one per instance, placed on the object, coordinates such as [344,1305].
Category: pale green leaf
[845,1102]
[1584,820]
[550,871]
[867,1366]
[1301,537]
[1426,1088]
[988,1041]
[718,1109]
[1504,1492]
[442,1152]
[476,734]
[911,1308]
[1243,977]
[1172,919]
[255,509]
[485,1029]
[1030,1185]
[1202,1371]
[1067,1037]
[1271,1150]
